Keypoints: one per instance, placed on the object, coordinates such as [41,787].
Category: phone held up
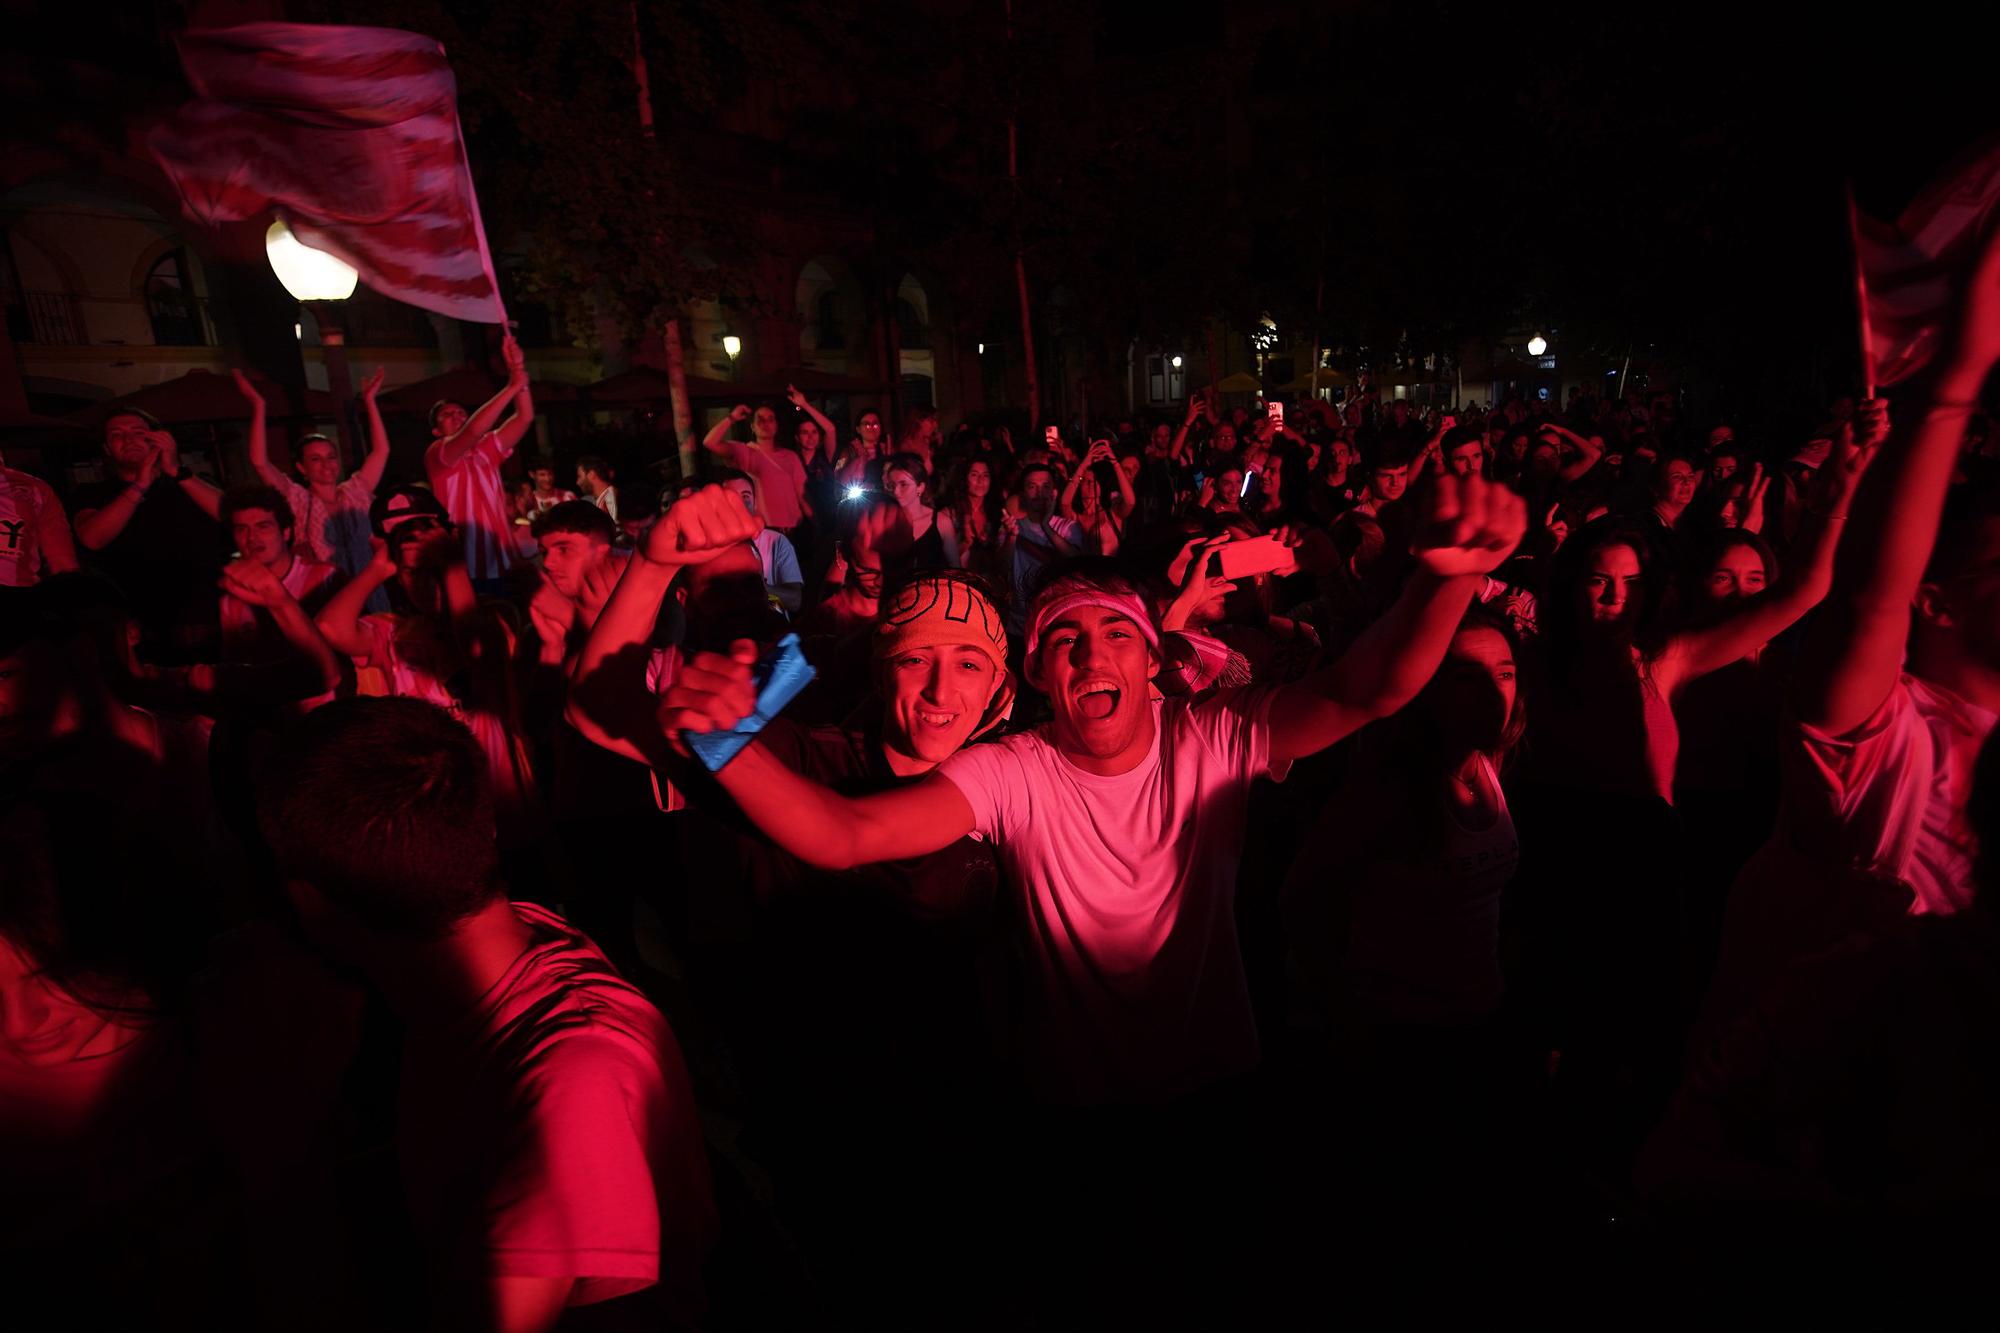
[1251,557]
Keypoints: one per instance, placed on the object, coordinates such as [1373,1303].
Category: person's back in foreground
[549,1147]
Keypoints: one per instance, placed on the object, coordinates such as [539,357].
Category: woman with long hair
[860,463]
[906,478]
[1604,902]
[968,518]
[1084,502]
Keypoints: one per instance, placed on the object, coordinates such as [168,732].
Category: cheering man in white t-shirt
[1120,822]
[463,468]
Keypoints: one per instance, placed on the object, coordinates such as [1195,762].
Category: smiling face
[125,440]
[933,698]
[1673,485]
[319,463]
[979,481]
[258,536]
[1095,665]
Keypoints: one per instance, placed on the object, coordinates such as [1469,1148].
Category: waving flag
[352,134]
[1910,271]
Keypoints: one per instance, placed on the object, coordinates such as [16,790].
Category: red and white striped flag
[1910,272]
[352,134]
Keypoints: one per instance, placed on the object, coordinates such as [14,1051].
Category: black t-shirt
[167,561]
[876,979]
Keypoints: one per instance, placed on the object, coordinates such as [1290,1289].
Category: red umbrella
[200,395]
[640,384]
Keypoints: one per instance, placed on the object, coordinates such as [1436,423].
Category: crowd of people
[1462,828]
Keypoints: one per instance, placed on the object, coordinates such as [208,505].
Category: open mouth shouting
[1097,699]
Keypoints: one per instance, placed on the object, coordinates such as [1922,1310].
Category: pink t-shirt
[476,499]
[553,1133]
[1128,889]
[780,479]
[1889,796]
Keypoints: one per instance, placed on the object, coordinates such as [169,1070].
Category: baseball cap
[401,503]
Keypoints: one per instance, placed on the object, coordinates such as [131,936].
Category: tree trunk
[677,390]
[1020,256]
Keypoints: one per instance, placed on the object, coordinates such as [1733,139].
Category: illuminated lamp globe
[732,345]
[308,274]
[1177,363]
[1537,345]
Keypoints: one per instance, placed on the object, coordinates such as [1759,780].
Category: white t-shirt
[779,558]
[28,509]
[1128,889]
[1889,796]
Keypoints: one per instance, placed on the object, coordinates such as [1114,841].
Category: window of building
[173,306]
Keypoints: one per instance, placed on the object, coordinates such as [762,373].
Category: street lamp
[732,346]
[320,280]
[1537,345]
[1177,363]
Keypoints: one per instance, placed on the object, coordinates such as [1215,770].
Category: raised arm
[1471,527]
[258,438]
[370,471]
[608,699]
[1187,424]
[714,691]
[340,619]
[827,438]
[717,440]
[1067,505]
[1855,649]
[1588,451]
[1695,653]
[451,451]
[515,428]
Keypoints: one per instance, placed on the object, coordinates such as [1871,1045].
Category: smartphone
[1052,437]
[1275,411]
[1250,557]
[780,674]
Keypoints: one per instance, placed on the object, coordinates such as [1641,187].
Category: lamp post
[1537,345]
[732,347]
[317,279]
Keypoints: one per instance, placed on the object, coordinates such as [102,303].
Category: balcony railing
[46,317]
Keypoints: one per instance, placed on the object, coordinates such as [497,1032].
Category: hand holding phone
[1250,557]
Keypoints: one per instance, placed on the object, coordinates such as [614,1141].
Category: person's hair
[578,516]
[1084,573]
[440,405]
[383,807]
[1414,739]
[539,463]
[258,497]
[152,422]
[1562,623]
[1462,435]
[956,499]
[316,437]
[914,465]
[1726,540]
[719,474]
[594,463]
